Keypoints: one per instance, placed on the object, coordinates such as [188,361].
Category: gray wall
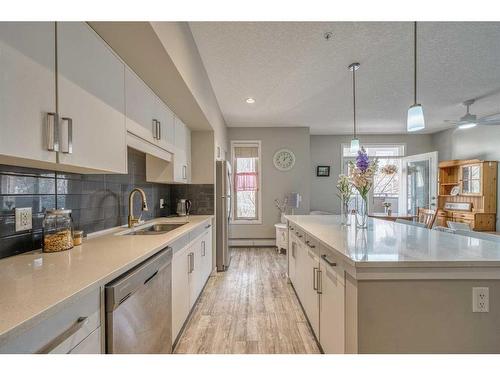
[275,184]
[482,142]
[326,150]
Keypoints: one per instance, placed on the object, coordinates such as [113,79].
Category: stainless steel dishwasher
[139,308]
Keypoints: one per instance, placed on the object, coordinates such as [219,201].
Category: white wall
[326,150]
[275,184]
[482,142]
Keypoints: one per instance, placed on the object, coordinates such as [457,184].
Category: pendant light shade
[415,120]
[354,141]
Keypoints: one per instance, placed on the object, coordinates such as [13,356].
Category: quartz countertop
[36,284]
[390,244]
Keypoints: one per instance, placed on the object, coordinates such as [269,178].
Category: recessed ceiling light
[250,100]
[328,36]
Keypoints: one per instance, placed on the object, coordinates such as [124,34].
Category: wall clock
[284,159]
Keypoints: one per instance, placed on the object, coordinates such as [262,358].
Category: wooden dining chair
[426,216]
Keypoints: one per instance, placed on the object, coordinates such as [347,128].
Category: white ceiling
[299,79]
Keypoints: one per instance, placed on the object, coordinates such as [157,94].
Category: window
[386,187]
[247,182]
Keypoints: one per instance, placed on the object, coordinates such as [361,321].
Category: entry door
[420,182]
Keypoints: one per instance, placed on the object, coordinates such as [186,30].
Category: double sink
[152,229]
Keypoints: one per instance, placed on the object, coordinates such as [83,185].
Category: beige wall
[275,184]
[326,150]
[482,142]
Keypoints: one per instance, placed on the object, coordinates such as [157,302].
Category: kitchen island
[394,288]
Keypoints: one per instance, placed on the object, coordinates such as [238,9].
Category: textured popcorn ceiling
[299,79]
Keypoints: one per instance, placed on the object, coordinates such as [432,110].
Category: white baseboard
[252,242]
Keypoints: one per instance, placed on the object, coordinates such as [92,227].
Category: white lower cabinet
[319,283]
[180,289]
[74,329]
[191,267]
[332,292]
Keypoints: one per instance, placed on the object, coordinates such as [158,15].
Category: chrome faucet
[131,219]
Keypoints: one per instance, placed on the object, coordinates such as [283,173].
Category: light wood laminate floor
[248,309]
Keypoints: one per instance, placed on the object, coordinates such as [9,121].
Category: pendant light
[354,141]
[415,119]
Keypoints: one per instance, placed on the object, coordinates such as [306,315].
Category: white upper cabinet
[140,106]
[27,89]
[91,96]
[166,125]
[182,156]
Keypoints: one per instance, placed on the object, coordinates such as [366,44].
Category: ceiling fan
[470,120]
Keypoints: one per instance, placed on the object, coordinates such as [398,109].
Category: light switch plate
[23,219]
[480,299]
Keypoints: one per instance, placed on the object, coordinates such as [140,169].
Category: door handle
[52,131]
[330,263]
[69,121]
[80,322]
[319,274]
[315,285]
[151,277]
[155,129]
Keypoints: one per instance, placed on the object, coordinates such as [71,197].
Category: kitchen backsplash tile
[97,201]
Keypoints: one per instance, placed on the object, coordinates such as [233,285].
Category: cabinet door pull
[293,249]
[184,172]
[319,274]
[208,226]
[330,263]
[202,248]
[315,284]
[155,129]
[52,132]
[80,322]
[159,129]
[69,146]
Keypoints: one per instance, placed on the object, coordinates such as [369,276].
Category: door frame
[433,173]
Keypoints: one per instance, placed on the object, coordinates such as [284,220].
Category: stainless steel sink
[155,229]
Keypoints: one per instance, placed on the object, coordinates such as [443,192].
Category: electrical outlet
[23,219]
[162,203]
[480,299]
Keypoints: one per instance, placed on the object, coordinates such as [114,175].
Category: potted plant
[344,192]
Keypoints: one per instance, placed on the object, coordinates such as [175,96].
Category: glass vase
[362,213]
[345,217]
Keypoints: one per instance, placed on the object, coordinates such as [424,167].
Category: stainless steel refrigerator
[223,209]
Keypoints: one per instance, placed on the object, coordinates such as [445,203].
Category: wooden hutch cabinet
[472,186]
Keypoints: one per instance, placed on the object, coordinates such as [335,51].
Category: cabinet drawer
[331,263]
[300,234]
[195,233]
[312,243]
[179,244]
[64,321]
[90,345]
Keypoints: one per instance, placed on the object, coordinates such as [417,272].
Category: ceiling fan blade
[494,117]
[489,122]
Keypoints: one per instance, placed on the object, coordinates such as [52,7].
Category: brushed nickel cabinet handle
[330,263]
[319,274]
[315,285]
[159,130]
[52,131]
[208,226]
[58,340]
[155,129]
[69,148]
[202,248]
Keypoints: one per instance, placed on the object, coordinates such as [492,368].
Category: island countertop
[36,284]
[392,245]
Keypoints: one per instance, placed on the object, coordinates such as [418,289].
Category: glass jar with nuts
[57,231]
